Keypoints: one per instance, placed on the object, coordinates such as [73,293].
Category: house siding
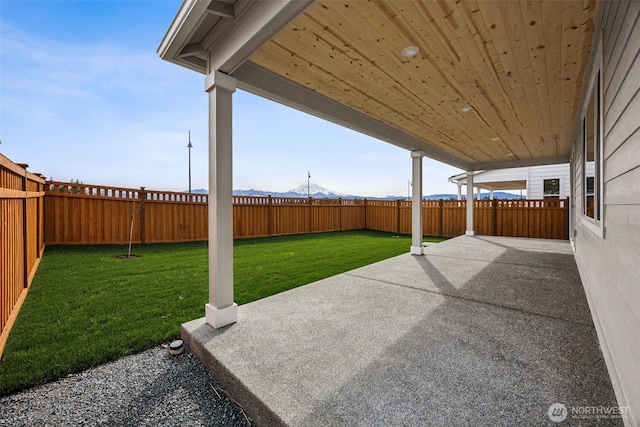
[610,264]
[535,188]
[533,175]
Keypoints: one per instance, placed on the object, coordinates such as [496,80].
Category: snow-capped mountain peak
[313,189]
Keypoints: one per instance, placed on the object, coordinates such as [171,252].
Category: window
[591,153]
[592,140]
[551,188]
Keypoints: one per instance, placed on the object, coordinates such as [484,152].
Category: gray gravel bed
[146,389]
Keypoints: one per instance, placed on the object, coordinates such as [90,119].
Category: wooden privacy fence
[94,214]
[273,216]
[87,214]
[543,219]
[21,238]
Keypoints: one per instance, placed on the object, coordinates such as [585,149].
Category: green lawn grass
[86,307]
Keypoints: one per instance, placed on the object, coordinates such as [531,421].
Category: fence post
[39,219]
[142,197]
[566,219]
[310,215]
[440,216]
[269,217]
[25,225]
[494,213]
[365,214]
[340,213]
[398,216]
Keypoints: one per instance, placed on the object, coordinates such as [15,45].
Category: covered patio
[476,85]
[485,331]
[482,331]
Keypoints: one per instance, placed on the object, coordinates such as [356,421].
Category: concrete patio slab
[476,332]
[530,280]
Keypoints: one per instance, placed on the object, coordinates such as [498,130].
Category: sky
[84,96]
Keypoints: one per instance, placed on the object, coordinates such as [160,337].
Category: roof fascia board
[487,185]
[259,81]
[221,9]
[522,163]
[258,22]
[254,24]
[463,175]
[182,27]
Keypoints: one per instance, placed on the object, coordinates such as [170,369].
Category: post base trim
[220,317]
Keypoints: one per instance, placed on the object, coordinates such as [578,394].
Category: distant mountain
[441,196]
[319,192]
[312,189]
[499,195]
[315,191]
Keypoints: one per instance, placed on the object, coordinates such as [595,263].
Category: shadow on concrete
[479,331]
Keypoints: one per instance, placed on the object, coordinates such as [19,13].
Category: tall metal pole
[190,146]
[308,183]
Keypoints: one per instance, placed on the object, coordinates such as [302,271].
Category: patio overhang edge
[187,19]
[230,44]
[517,163]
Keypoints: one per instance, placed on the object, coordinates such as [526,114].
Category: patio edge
[196,334]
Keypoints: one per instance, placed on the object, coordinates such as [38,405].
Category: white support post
[459,190]
[416,203]
[478,190]
[221,310]
[470,204]
[490,194]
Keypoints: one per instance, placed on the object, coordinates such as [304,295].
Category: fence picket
[21,238]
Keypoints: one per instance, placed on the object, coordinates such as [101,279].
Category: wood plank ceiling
[519,65]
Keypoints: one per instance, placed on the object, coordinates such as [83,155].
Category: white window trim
[561,193]
[596,226]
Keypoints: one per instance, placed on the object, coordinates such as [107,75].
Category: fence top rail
[337,202]
[252,200]
[172,196]
[9,165]
[88,190]
[295,201]
[454,203]
[61,188]
[533,203]
[510,203]
[121,193]
[390,203]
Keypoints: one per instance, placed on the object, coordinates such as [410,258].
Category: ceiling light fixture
[466,109]
[410,51]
